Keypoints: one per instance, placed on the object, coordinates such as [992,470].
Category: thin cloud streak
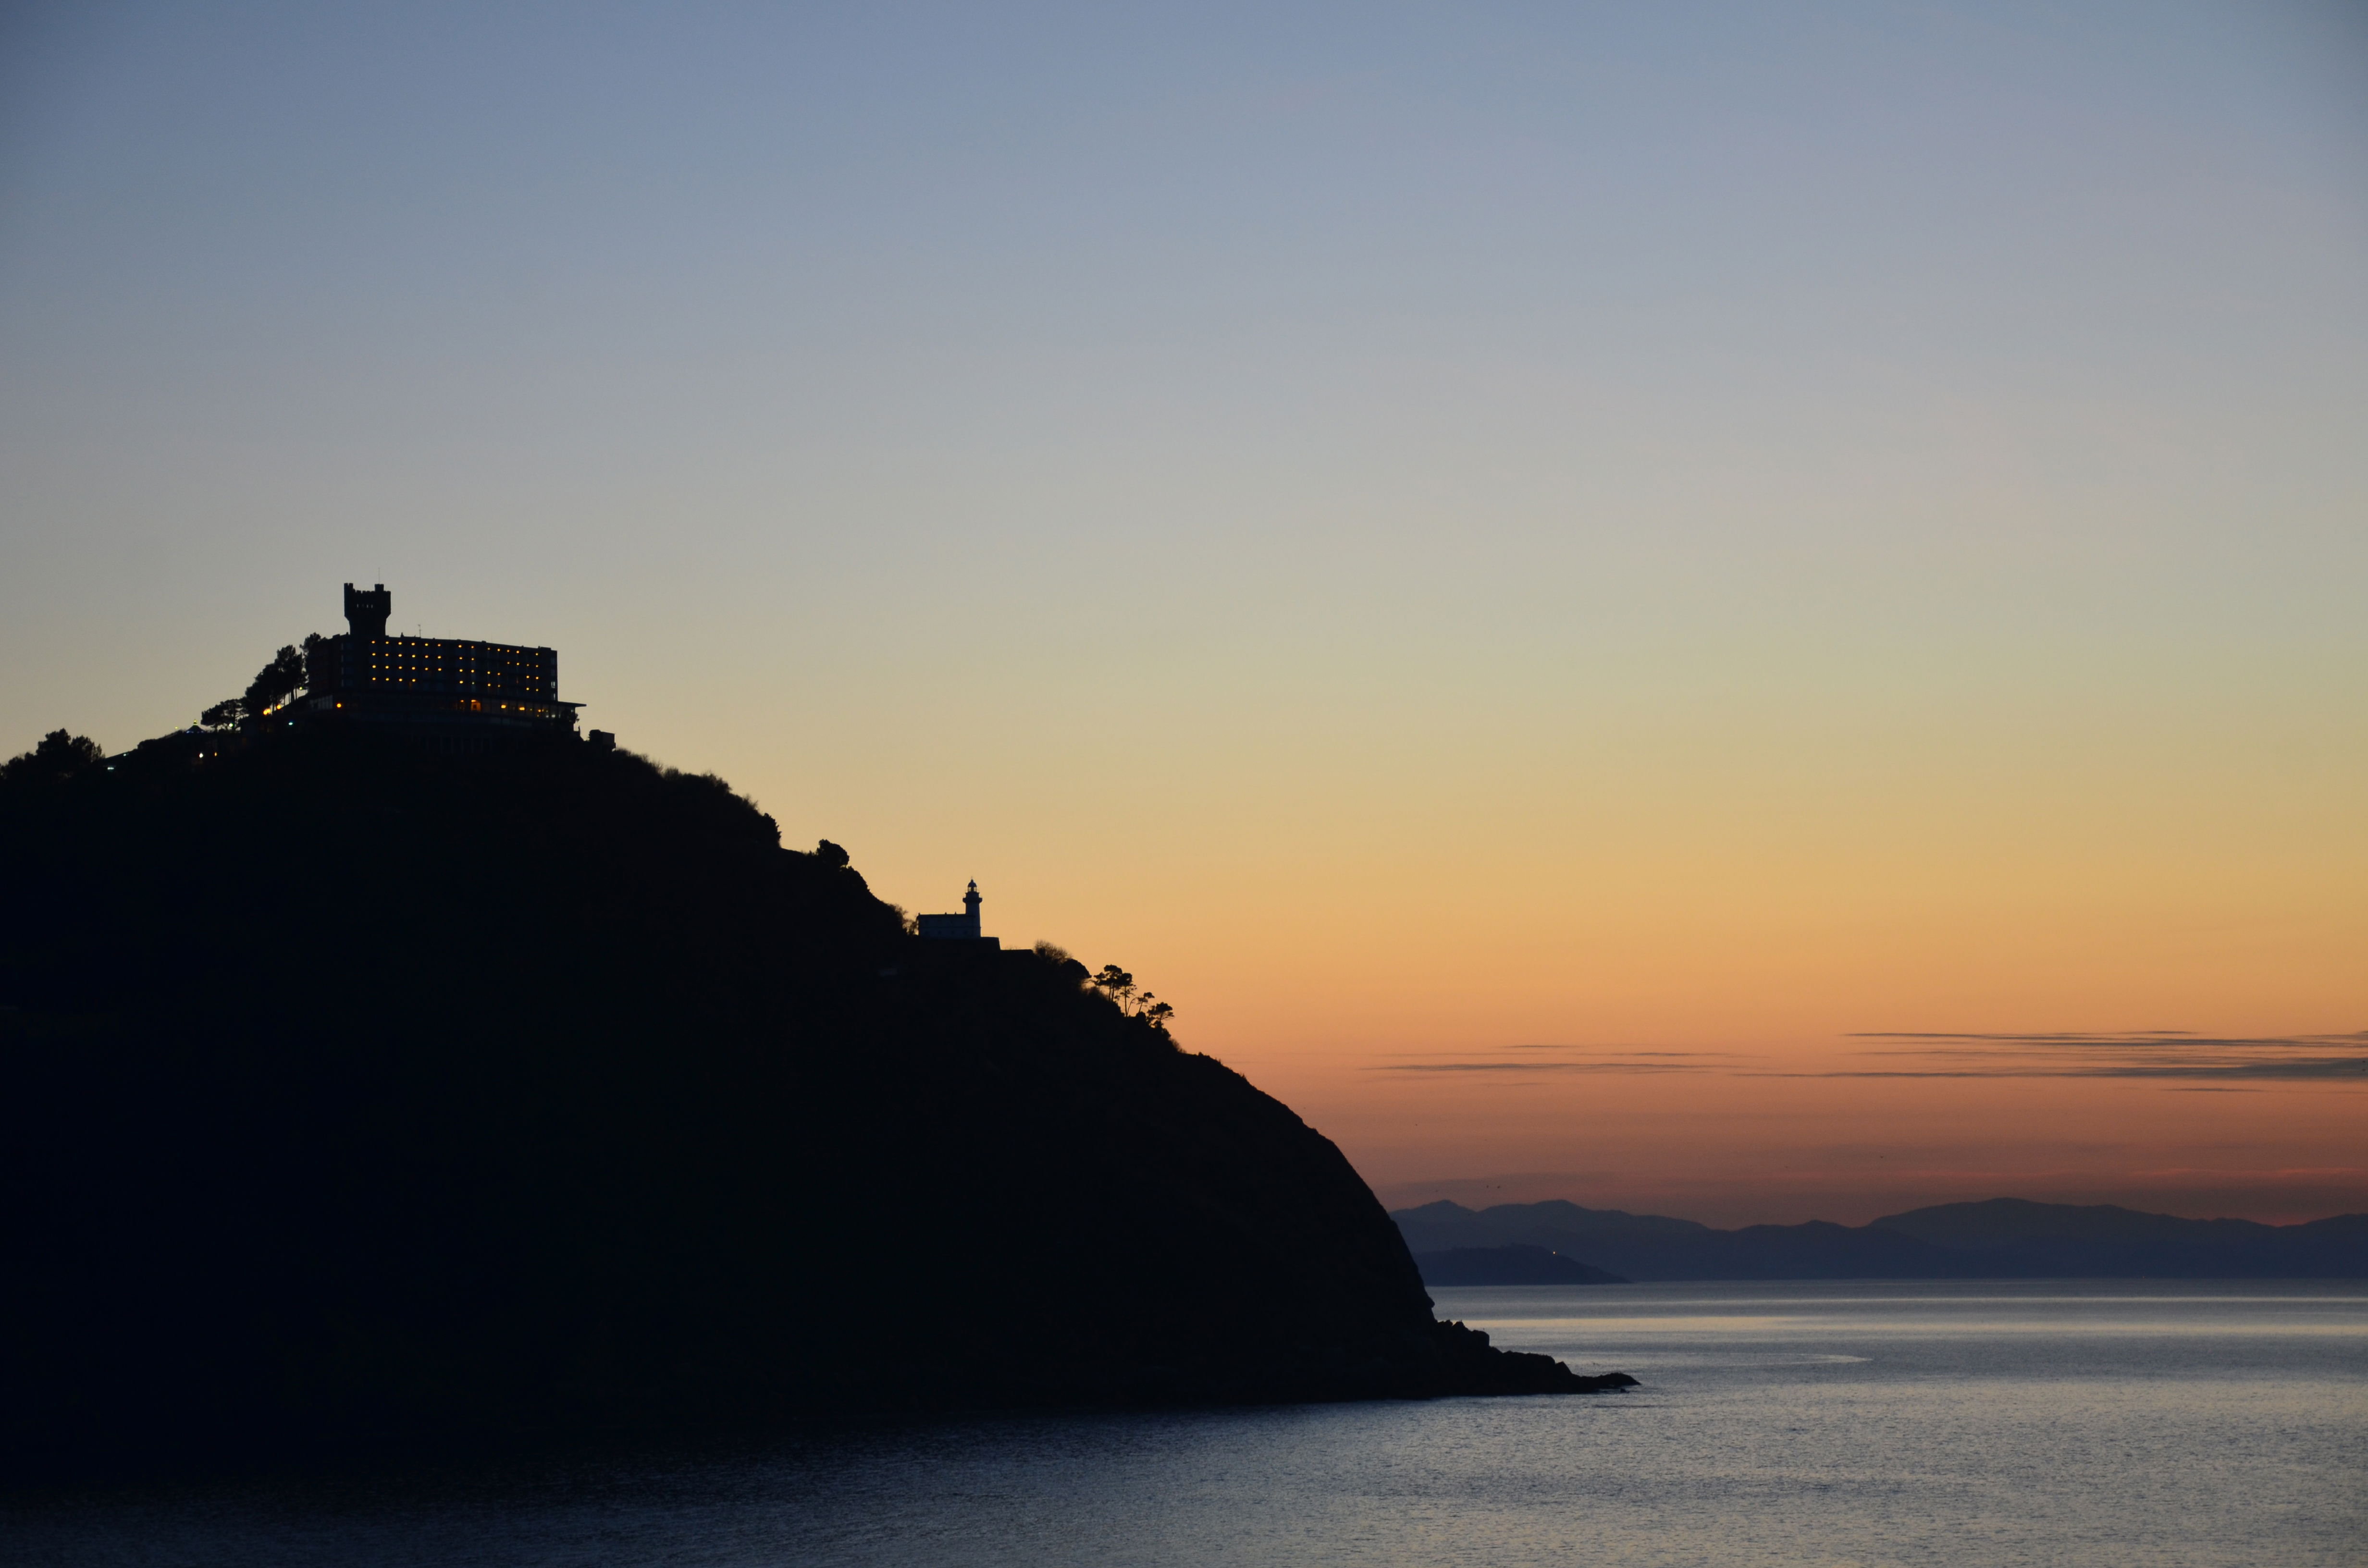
[1730,1056]
[2138,1053]
[2351,1067]
[1579,1061]
[2190,1059]
[2134,1038]
[1544,1067]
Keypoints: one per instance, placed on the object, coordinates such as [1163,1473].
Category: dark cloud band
[2166,1054]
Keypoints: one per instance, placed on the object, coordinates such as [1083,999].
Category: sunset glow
[1761,631]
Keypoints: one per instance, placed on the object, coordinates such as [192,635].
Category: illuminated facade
[449,689]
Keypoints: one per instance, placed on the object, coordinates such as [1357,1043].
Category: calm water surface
[2094,1423]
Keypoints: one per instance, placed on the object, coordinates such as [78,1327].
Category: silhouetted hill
[352,1096]
[2005,1238]
[1508,1266]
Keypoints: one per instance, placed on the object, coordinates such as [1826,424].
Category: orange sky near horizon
[1697,906]
[1694,911]
[1693,1052]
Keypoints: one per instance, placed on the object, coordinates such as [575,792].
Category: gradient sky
[1724,609]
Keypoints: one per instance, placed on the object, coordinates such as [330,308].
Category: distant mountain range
[2005,1238]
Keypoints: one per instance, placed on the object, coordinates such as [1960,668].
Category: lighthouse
[963,928]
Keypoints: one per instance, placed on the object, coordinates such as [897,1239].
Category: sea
[2089,1423]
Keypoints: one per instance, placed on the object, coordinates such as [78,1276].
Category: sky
[1743,611]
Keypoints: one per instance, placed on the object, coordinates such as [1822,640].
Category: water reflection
[2127,1424]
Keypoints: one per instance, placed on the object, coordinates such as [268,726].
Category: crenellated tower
[366,612]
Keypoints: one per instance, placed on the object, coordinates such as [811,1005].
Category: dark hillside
[353,1096]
